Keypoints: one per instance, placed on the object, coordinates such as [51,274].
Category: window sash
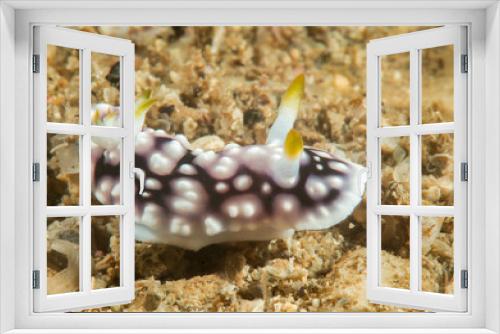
[86,43]
[413,43]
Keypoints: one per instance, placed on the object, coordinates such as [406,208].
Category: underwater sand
[221,85]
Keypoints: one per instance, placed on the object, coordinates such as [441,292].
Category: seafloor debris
[218,86]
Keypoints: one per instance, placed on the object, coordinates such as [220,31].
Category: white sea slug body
[194,198]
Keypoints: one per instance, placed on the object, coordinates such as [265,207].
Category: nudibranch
[192,198]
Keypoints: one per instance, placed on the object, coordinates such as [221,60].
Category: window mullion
[108,210]
[419,210]
[108,132]
[65,211]
[414,170]
[66,128]
[420,129]
[85,175]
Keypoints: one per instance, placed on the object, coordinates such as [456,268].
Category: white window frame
[86,44]
[413,44]
[17,19]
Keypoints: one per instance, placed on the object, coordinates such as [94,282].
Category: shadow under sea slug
[192,198]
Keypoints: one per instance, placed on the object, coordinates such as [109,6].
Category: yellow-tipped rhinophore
[287,112]
[143,104]
[95,116]
[293,144]
[285,171]
[293,95]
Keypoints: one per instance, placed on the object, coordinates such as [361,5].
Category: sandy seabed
[218,85]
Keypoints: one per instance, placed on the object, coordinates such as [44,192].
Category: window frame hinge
[464,279]
[36,172]
[36,279]
[464,59]
[464,171]
[36,63]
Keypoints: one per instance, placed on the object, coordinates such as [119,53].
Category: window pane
[105,252]
[395,252]
[395,170]
[437,84]
[63,253]
[437,169]
[395,89]
[106,187]
[63,170]
[437,254]
[63,84]
[105,90]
